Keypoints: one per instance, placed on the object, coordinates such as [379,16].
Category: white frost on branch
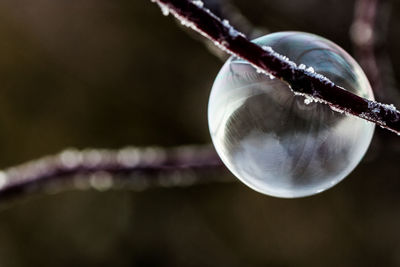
[280,56]
[198,3]
[223,44]
[3,179]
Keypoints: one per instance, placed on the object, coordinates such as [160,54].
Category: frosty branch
[130,167]
[194,15]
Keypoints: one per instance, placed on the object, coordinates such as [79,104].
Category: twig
[363,35]
[194,15]
[227,9]
[101,169]
[368,34]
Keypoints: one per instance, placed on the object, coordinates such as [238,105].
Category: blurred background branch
[369,36]
[129,168]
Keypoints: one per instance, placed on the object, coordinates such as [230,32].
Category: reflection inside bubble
[271,139]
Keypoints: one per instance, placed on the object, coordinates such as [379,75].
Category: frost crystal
[226,23]
[320,77]
[308,100]
[281,57]
[186,22]
[164,8]
[232,32]
[302,66]
[198,3]
[3,179]
[336,109]
[390,107]
[374,107]
[259,70]
[310,70]
[267,48]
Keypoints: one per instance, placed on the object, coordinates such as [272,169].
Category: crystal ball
[277,142]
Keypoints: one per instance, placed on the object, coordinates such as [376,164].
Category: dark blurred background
[107,74]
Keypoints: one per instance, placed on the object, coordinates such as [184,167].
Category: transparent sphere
[271,139]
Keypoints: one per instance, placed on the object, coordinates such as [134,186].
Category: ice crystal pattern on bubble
[279,143]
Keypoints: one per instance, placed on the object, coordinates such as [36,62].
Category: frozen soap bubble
[278,143]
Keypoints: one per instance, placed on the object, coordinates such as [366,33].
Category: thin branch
[363,36]
[228,10]
[193,14]
[101,169]
[369,36]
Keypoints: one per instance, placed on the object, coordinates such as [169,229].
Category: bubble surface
[276,142]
